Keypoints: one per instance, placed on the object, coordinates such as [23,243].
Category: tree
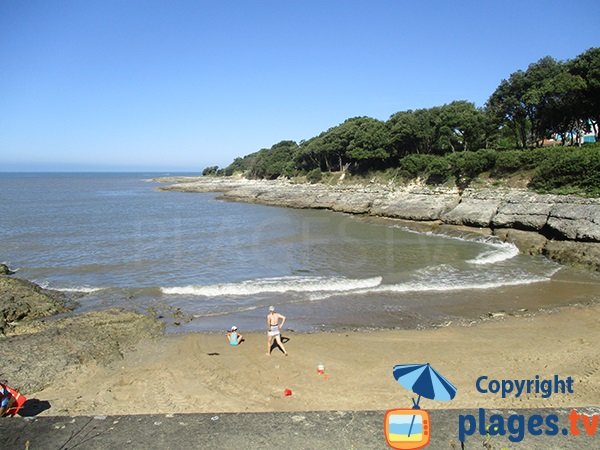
[359,141]
[368,141]
[506,107]
[402,128]
[276,161]
[461,126]
[587,67]
[561,112]
[414,131]
[539,89]
[242,165]
[210,171]
[524,101]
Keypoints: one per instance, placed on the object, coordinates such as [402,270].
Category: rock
[22,300]
[475,208]
[576,253]
[579,222]
[528,242]
[39,353]
[523,211]
[472,212]
[414,206]
[4,270]
[353,204]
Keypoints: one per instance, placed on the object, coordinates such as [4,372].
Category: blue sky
[179,85]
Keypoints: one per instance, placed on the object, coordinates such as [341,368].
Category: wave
[501,252]
[276,285]
[436,287]
[419,287]
[79,289]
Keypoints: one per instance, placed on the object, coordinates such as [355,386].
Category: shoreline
[154,373]
[200,372]
[513,332]
[565,229]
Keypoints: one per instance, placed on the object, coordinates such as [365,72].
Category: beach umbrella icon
[425,381]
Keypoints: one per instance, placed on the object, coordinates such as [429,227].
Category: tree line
[549,100]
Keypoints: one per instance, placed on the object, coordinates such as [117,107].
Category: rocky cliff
[564,228]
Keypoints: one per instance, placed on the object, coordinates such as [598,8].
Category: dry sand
[202,373]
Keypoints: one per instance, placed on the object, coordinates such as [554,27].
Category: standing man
[275,322]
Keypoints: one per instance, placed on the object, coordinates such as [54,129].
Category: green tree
[561,109]
[461,126]
[359,141]
[368,144]
[210,171]
[508,109]
[241,165]
[275,162]
[587,67]
[414,131]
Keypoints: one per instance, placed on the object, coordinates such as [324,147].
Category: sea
[203,264]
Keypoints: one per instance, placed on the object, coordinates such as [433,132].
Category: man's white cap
[271,308]
[233,328]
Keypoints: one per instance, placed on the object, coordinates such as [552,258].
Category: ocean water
[115,240]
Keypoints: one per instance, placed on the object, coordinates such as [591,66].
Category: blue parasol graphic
[424,381]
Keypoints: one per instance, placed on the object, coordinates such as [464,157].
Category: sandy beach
[200,372]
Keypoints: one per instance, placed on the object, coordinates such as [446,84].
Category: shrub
[210,171]
[412,166]
[439,170]
[314,176]
[573,170]
[473,163]
[508,161]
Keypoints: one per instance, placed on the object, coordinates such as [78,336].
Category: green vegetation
[552,102]
[569,171]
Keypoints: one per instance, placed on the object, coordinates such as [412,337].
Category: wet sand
[200,372]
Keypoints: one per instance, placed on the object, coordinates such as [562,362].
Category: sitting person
[233,337]
[6,400]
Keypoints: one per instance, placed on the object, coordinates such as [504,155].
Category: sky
[180,85]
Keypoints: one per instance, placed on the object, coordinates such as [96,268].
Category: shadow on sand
[33,407]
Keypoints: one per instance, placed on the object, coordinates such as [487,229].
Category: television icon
[407,429]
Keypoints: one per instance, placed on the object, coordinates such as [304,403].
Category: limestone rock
[40,352]
[522,213]
[473,212]
[23,300]
[583,254]
[414,206]
[528,242]
[580,222]
[4,270]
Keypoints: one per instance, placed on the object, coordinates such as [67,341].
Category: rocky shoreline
[42,339]
[563,228]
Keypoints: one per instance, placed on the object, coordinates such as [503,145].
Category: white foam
[419,287]
[276,285]
[81,289]
[501,251]
[416,286]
